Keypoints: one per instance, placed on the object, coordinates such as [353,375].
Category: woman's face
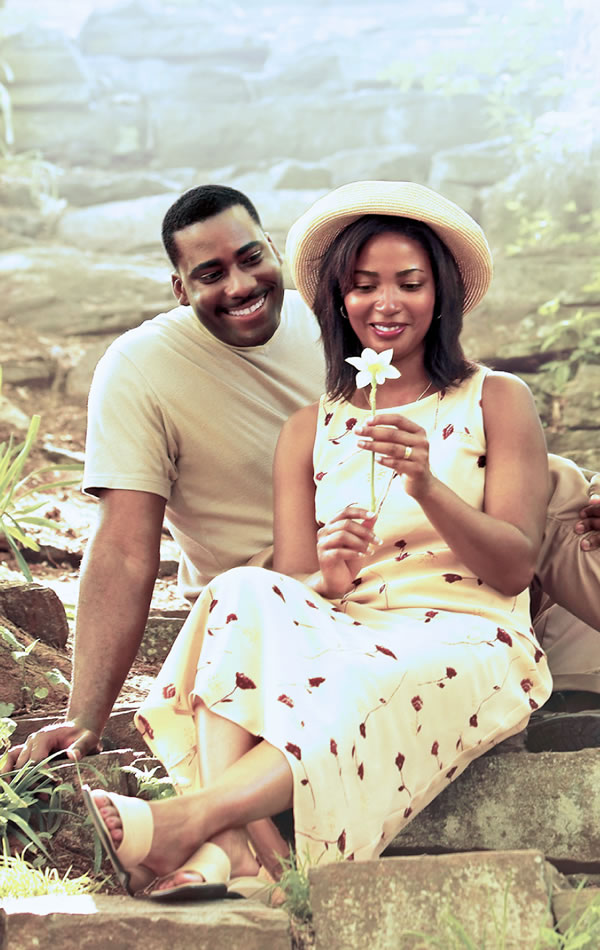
[392,299]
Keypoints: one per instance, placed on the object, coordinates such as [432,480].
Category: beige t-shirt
[176,412]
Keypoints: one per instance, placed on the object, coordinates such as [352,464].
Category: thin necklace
[426,390]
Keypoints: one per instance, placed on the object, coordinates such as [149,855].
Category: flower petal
[363,378]
[356,361]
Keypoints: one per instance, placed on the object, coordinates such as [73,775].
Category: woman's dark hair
[445,362]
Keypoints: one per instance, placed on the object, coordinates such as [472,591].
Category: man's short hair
[198,204]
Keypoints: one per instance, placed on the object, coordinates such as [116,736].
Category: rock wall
[286,102]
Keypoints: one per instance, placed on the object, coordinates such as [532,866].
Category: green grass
[19,878]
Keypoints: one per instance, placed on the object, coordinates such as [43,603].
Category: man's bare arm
[117,578]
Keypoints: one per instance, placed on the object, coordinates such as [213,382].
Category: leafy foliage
[30,809]
[16,505]
[149,785]
[576,339]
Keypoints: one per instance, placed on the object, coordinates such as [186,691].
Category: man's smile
[246,311]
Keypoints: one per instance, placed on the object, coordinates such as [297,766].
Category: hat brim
[311,235]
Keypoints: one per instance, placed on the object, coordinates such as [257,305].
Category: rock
[393,163]
[569,906]
[390,902]
[138,30]
[78,379]
[12,417]
[37,610]
[43,56]
[160,634]
[93,186]
[525,800]
[478,165]
[581,400]
[75,291]
[36,371]
[31,673]
[100,920]
[579,445]
[121,227]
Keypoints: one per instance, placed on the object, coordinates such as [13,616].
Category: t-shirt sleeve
[128,442]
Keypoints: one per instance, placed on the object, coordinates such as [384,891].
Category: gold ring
[407,452]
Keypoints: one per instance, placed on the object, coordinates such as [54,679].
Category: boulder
[478,165]
[139,30]
[36,610]
[369,163]
[39,57]
[85,186]
[77,292]
[400,902]
[122,227]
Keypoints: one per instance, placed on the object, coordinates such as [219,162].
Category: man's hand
[590,518]
[68,737]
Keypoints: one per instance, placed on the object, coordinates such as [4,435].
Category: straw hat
[313,232]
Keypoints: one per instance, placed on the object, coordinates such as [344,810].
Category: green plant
[30,809]
[15,510]
[294,884]
[19,878]
[576,338]
[149,785]
[19,653]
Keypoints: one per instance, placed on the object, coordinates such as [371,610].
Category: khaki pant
[567,617]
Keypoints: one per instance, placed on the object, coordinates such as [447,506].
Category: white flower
[373,368]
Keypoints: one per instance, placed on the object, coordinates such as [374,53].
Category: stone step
[500,899]
[548,801]
[95,922]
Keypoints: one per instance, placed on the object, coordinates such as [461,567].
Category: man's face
[229,273]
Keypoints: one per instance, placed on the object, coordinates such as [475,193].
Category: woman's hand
[401,445]
[341,544]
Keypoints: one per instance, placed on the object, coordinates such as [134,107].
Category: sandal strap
[211,862]
[138,828]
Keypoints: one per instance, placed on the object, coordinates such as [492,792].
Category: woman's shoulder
[498,383]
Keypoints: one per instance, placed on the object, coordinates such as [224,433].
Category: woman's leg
[256,786]
[220,744]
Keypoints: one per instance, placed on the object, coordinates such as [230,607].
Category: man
[184,414]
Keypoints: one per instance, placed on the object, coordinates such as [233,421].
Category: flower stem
[373,403]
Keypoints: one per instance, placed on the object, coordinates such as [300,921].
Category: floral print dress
[378,700]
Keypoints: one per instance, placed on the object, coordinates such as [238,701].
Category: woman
[391,647]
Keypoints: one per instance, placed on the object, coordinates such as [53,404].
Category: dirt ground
[62,428]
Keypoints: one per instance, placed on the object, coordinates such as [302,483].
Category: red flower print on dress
[363,729]
[278,592]
[386,651]
[310,604]
[316,680]
[213,604]
[538,655]
[350,423]
[451,672]
[244,682]
[533,703]
[451,772]
[417,703]
[447,431]
[341,842]
[435,748]
[400,544]
[231,617]
[481,461]
[328,418]
[526,685]
[504,637]
[400,760]
[319,476]
[430,614]
[451,578]
[401,557]
[285,700]
[146,729]
[473,721]
[294,750]
[333,747]
[169,691]
[361,771]
[407,812]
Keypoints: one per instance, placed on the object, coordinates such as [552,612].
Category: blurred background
[110,109]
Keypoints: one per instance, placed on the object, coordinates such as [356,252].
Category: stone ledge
[374,903]
[123,923]
[549,801]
